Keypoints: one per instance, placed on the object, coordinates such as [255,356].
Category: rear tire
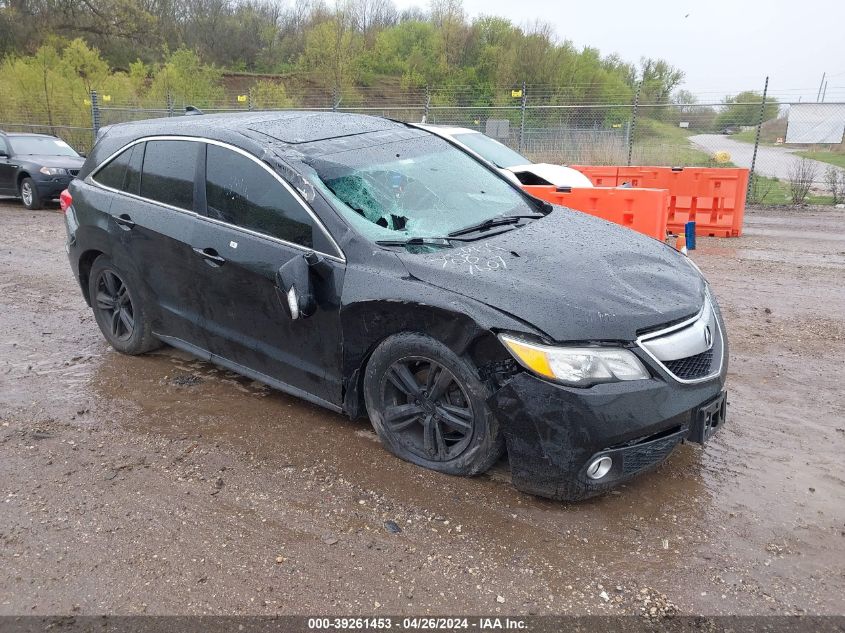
[29,194]
[119,309]
[429,407]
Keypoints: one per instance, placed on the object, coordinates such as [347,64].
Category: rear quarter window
[113,173]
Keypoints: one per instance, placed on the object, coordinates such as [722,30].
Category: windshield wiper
[416,241]
[493,222]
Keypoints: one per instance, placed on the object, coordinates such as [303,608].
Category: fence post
[169,104]
[751,186]
[427,105]
[95,115]
[627,133]
[632,128]
[335,98]
[522,108]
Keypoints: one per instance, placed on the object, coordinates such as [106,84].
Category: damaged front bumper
[554,432]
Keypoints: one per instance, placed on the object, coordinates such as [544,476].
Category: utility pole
[821,83]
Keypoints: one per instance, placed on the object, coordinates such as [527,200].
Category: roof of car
[297,133]
[293,127]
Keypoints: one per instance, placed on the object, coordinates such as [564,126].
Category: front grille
[641,456]
[73,172]
[698,342]
[691,367]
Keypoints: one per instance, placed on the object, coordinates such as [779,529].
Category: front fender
[381,301]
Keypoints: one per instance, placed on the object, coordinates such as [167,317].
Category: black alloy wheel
[115,305]
[426,408]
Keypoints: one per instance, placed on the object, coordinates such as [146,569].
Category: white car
[510,163]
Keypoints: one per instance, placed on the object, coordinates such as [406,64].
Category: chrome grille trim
[686,340]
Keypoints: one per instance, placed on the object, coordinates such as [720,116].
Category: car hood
[557,175]
[572,276]
[68,162]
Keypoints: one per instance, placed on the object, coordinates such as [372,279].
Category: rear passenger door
[253,224]
[153,220]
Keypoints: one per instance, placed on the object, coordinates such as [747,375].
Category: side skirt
[246,371]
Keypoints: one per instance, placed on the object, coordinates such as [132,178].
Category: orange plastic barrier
[600,175]
[712,197]
[643,210]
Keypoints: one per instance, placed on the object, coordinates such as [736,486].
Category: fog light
[599,467]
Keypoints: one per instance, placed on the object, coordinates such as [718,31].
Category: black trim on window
[200,200]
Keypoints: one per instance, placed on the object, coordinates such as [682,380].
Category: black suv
[375,269]
[36,167]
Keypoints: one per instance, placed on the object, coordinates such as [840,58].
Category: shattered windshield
[492,150]
[420,187]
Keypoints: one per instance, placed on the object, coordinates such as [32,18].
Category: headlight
[576,366]
[53,171]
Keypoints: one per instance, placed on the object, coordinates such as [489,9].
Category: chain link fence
[795,150]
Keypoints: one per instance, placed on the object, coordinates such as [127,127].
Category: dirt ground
[161,484]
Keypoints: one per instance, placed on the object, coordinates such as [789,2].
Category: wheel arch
[21,176]
[366,325]
[86,261]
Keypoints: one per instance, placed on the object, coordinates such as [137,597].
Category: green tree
[744,109]
[84,65]
[332,52]
[269,95]
[187,80]
[409,50]
[139,74]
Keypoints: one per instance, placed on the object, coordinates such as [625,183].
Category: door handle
[211,256]
[124,222]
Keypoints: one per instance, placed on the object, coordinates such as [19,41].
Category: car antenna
[192,110]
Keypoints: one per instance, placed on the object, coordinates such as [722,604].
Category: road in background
[161,484]
[775,162]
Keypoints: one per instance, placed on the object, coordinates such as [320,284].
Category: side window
[168,173]
[243,193]
[4,148]
[113,174]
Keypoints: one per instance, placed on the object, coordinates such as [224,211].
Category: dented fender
[382,299]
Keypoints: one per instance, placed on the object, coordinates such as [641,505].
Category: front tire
[429,407]
[29,194]
[119,309]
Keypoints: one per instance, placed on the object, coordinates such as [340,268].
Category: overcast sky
[723,46]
